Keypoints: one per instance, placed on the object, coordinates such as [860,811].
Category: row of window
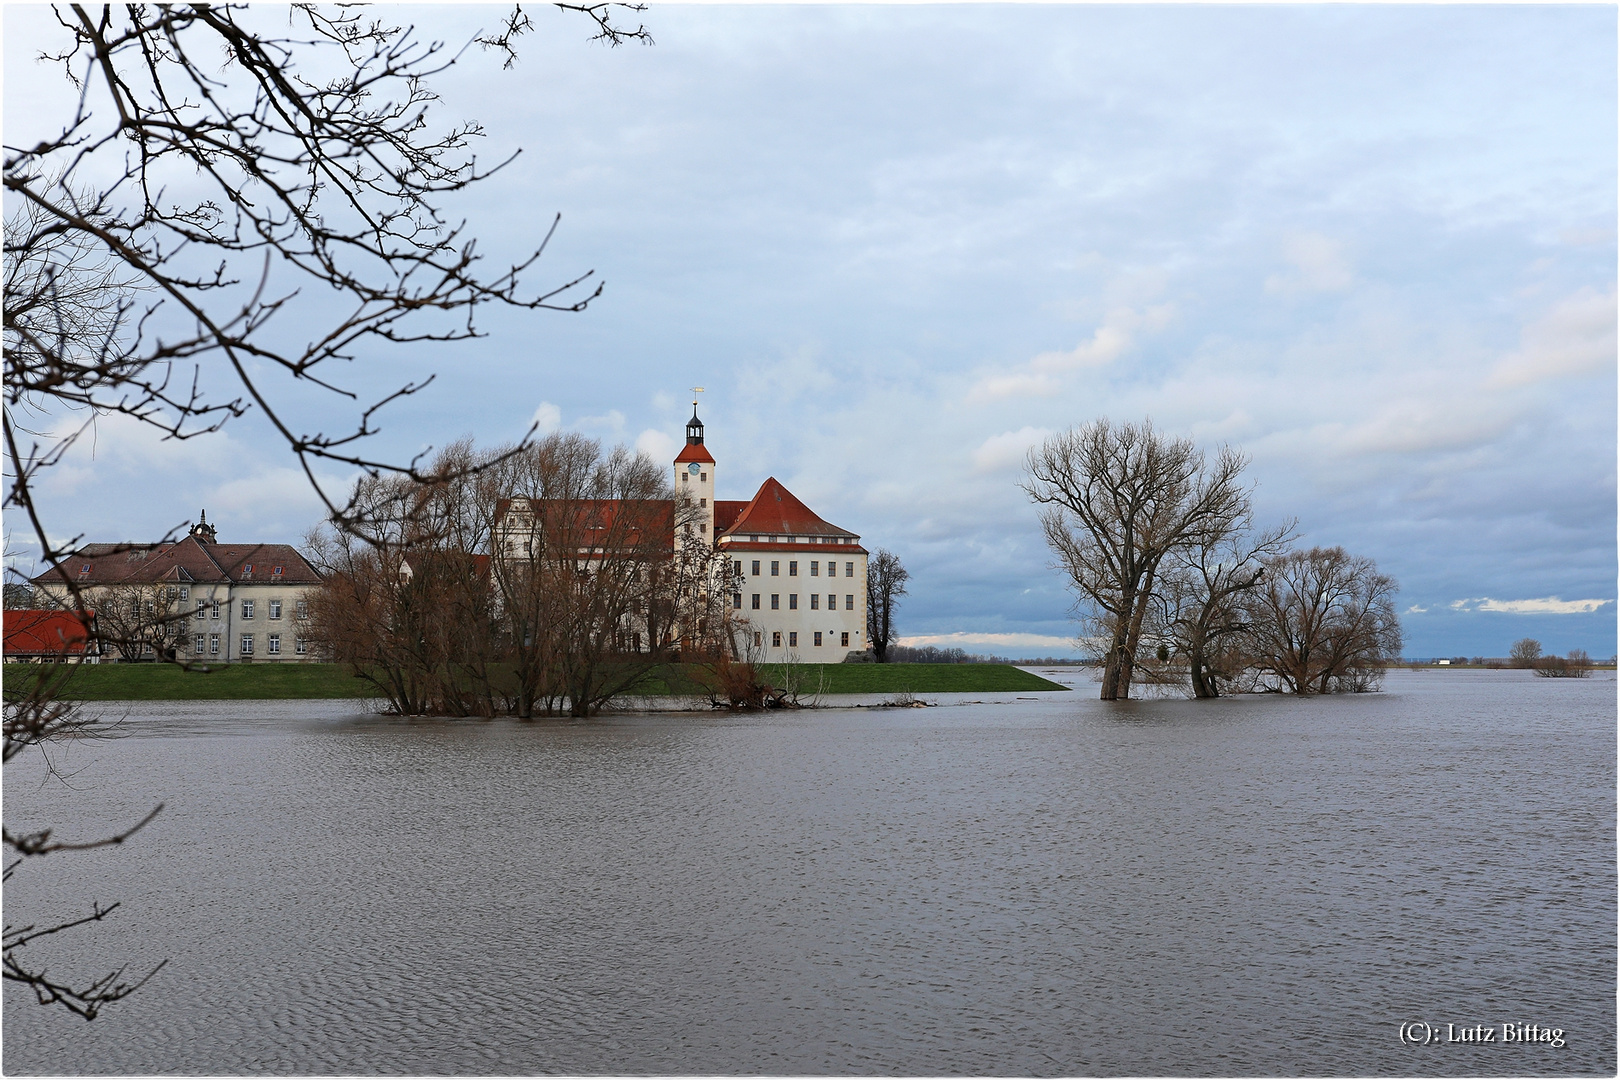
[793,568]
[703,477]
[272,645]
[793,638]
[793,601]
[771,538]
[248,607]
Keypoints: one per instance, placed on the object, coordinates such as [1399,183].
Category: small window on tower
[703,476]
[703,504]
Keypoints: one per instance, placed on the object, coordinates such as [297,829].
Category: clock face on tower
[692,468]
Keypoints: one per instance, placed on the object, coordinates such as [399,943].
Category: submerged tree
[1117,502]
[1323,620]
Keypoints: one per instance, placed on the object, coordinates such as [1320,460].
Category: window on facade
[843,639]
[247,644]
[815,568]
[703,504]
[755,570]
[216,607]
[736,601]
[849,569]
[832,601]
[793,568]
[247,609]
[685,477]
[303,609]
[201,613]
[776,601]
[818,639]
[185,593]
[776,639]
[849,601]
[275,609]
[147,648]
[273,644]
[213,644]
[776,568]
[793,639]
[757,636]
[736,568]
[300,646]
[703,476]
[793,601]
[703,527]
[756,602]
[815,601]
[199,645]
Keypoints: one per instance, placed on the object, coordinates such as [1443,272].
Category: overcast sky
[1374,247]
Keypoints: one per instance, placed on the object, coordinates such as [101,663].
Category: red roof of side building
[185,561]
[47,633]
[775,514]
[727,511]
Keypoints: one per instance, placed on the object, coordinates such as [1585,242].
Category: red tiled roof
[727,511]
[596,522]
[775,510]
[693,452]
[186,560]
[47,633]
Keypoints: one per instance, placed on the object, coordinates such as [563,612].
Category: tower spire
[694,426]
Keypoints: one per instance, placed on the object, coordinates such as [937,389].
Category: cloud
[1416,610]
[1577,337]
[1007,450]
[1549,605]
[547,417]
[656,445]
[1318,264]
[1116,335]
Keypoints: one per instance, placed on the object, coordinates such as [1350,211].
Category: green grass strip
[166,682]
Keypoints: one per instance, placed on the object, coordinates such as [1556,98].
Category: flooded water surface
[1015,885]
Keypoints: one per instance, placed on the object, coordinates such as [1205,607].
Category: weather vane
[696,390]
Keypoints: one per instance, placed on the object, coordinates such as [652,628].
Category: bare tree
[228,203]
[1323,620]
[1577,665]
[885,585]
[1203,595]
[139,621]
[1117,501]
[1525,652]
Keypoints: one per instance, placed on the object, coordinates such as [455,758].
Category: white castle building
[803,594]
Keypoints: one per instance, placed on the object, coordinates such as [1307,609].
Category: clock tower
[694,484]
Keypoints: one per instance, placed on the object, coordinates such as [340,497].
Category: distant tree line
[1176,586]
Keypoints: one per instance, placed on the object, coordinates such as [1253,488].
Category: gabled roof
[189,560]
[774,510]
[47,633]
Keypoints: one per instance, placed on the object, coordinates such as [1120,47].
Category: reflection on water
[1028,886]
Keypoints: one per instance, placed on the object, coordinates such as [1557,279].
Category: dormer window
[276,572]
[247,570]
[84,570]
